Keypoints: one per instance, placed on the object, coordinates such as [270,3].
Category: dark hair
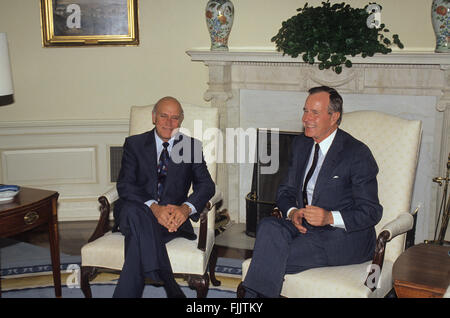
[336,100]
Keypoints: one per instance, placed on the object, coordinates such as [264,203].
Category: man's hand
[317,216]
[171,216]
[162,213]
[297,219]
[179,214]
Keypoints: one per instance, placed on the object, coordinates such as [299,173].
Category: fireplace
[264,89]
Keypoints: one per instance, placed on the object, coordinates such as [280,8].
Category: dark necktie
[310,173]
[163,164]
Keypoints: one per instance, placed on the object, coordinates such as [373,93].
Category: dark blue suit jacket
[346,183]
[138,175]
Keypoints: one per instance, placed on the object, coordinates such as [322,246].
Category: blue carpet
[21,259]
[106,291]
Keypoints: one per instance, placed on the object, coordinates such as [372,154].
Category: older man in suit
[158,169]
[329,201]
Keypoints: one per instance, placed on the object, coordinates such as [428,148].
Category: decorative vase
[219,20]
[440,16]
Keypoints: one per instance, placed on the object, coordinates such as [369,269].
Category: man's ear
[335,116]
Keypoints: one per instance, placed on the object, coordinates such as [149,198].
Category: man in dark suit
[329,201]
[158,169]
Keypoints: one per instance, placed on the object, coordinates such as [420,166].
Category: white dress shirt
[324,146]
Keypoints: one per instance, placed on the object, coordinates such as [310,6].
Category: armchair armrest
[105,208]
[398,226]
[276,213]
[111,195]
[217,197]
[402,224]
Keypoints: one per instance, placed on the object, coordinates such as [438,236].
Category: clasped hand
[315,216]
[171,216]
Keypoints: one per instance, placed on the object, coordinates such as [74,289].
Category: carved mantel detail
[443,102]
[420,73]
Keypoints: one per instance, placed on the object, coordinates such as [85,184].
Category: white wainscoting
[71,157]
[50,165]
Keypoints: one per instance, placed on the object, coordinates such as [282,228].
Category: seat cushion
[108,252]
[334,281]
[186,258]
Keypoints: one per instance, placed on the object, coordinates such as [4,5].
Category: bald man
[154,206]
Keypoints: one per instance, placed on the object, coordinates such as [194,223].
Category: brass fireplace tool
[444,209]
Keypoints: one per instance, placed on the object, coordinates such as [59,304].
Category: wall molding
[75,153]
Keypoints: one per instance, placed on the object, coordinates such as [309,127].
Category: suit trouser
[145,250]
[281,249]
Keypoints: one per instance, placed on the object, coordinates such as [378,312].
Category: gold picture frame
[89,22]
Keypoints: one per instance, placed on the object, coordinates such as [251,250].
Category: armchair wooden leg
[200,284]
[87,273]
[240,292]
[212,267]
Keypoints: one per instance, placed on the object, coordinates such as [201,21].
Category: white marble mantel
[239,76]
[272,56]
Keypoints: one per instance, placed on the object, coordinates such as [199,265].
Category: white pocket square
[336,177]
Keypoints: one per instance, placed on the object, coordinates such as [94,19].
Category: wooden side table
[32,208]
[422,271]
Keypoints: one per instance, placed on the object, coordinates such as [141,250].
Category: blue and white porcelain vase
[440,16]
[219,20]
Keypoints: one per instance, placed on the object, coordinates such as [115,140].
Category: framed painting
[89,22]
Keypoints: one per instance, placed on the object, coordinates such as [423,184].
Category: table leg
[54,248]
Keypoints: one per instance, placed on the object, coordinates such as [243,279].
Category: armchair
[190,259]
[395,144]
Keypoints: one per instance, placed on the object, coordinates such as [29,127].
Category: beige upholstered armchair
[395,145]
[191,259]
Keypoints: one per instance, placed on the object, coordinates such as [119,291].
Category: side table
[30,209]
[232,243]
[422,271]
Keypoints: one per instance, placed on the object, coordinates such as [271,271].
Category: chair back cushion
[201,122]
[395,144]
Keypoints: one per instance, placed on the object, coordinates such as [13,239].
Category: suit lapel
[333,157]
[150,158]
[305,153]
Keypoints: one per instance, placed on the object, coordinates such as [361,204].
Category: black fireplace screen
[273,153]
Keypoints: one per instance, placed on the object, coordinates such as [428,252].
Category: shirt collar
[326,143]
[159,141]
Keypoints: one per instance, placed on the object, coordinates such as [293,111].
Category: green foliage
[331,33]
